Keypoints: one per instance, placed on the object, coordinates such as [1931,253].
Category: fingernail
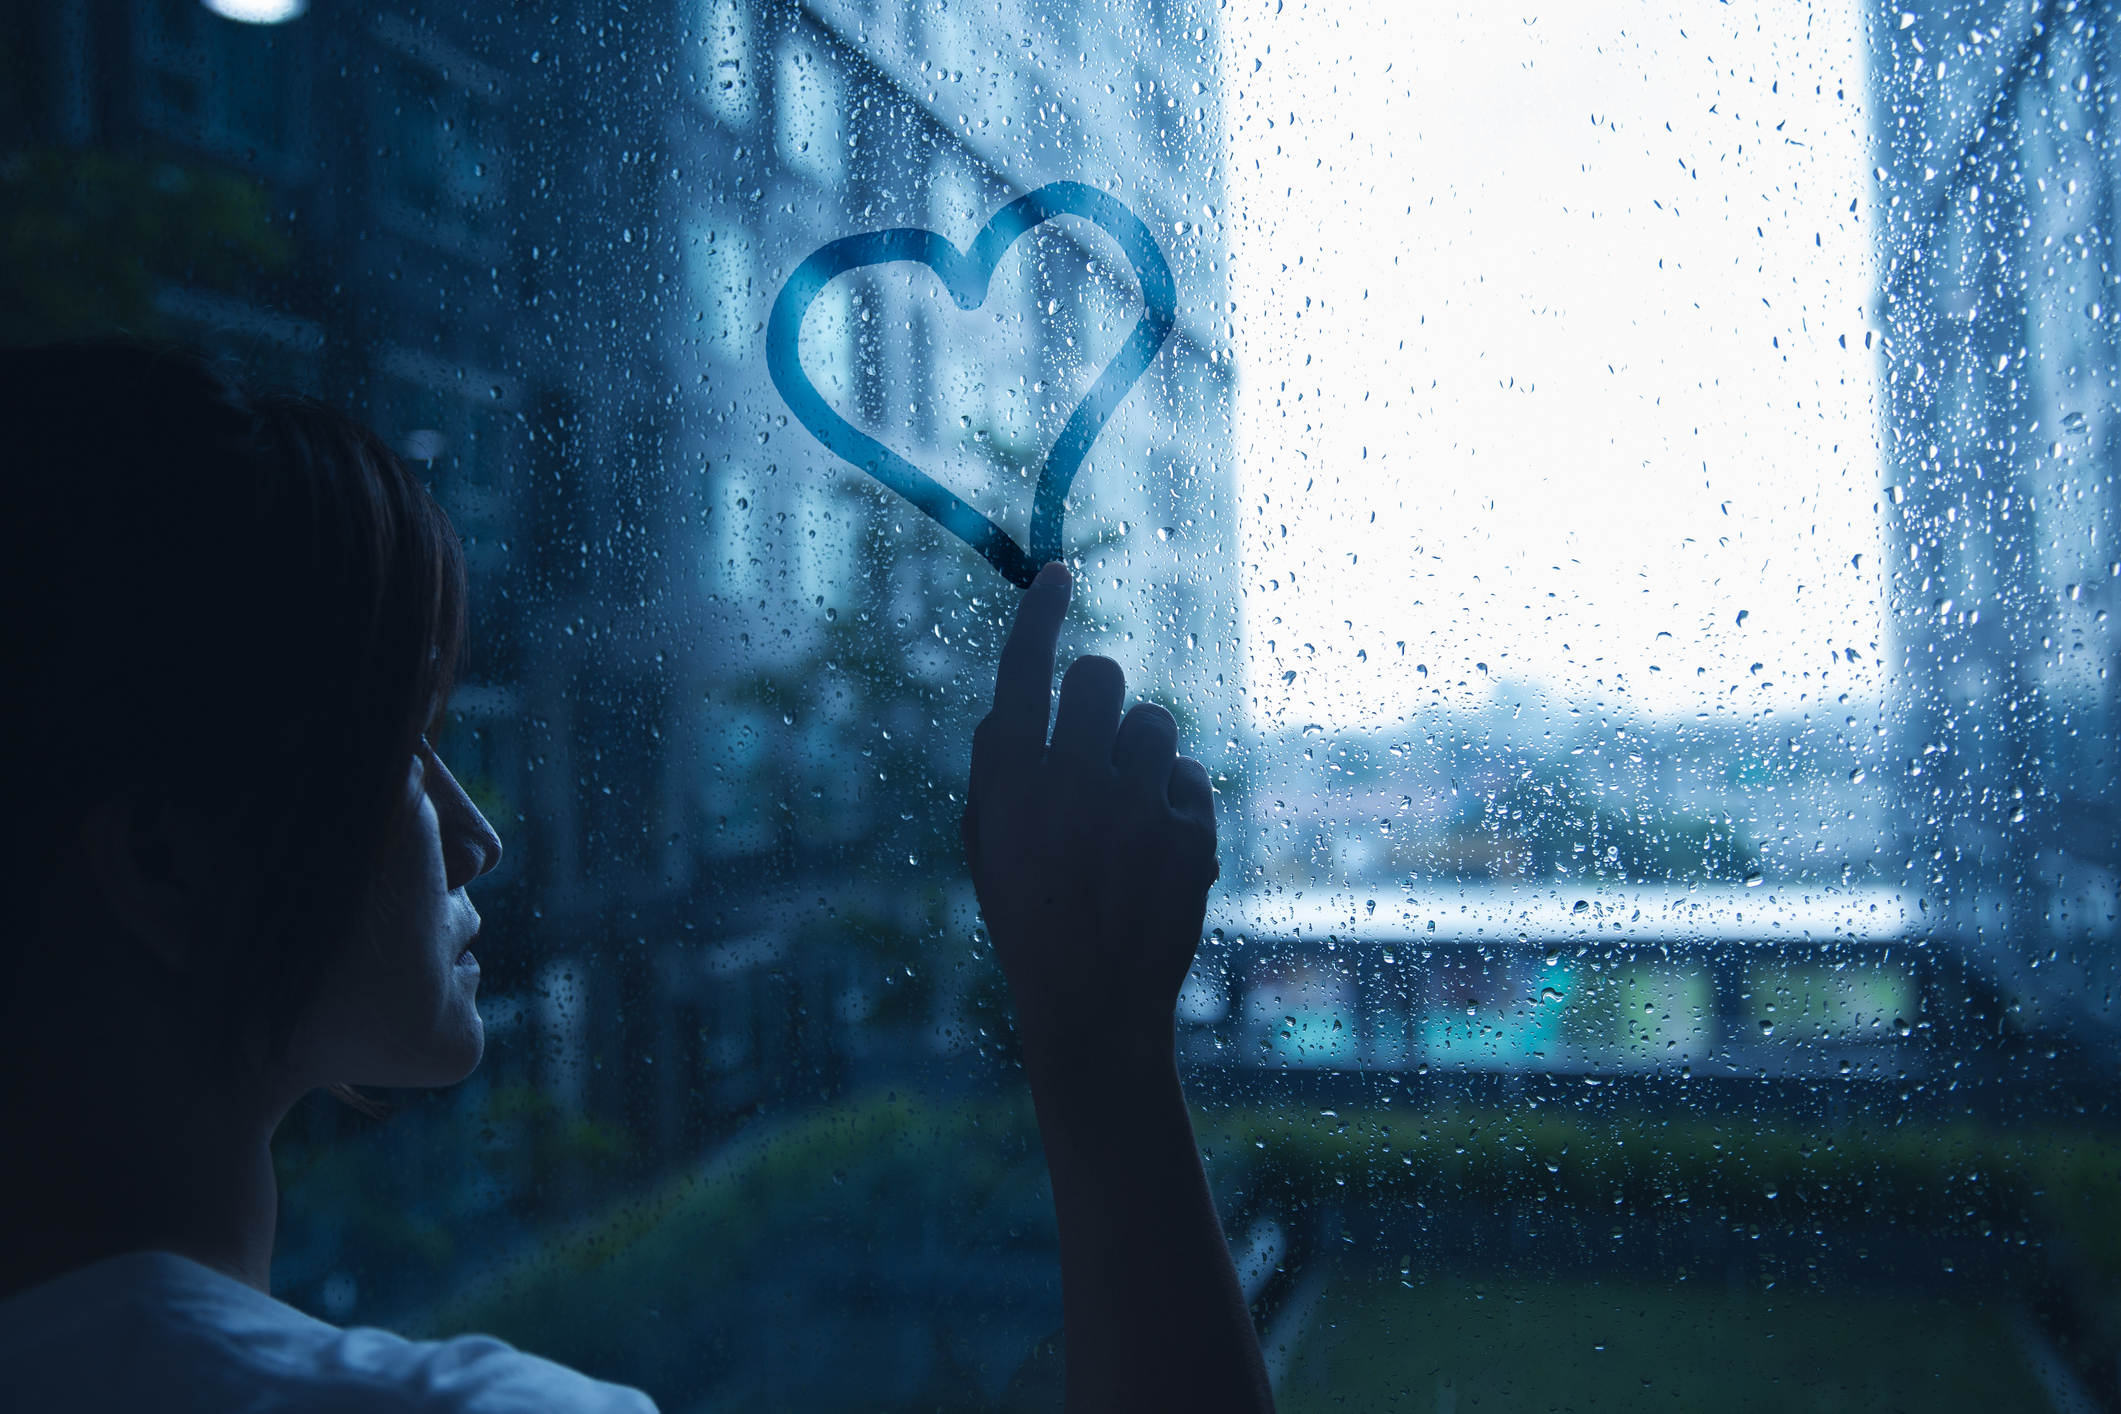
[1054,573]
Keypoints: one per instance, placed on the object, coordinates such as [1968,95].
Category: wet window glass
[1620,502]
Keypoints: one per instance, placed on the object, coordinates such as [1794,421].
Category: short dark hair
[244,597]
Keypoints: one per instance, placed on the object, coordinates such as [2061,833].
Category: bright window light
[1552,352]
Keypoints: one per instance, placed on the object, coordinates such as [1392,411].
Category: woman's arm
[1093,854]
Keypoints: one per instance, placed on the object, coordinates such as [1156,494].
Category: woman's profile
[237,873]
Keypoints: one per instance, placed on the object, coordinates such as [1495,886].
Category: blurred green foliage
[87,238]
[656,1288]
[1947,1179]
[1551,826]
[1452,1342]
[407,1186]
[678,1287]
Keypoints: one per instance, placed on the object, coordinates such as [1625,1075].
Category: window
[722,261]
[1625,514]
[440,162]
[726,82]
[809,116]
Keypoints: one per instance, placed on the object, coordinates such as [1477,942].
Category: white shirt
[152,1331]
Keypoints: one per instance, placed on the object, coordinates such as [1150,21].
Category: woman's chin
[467,1047]
[446,1068]
[448,1054]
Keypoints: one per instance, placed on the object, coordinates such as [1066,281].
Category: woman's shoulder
[156,1330]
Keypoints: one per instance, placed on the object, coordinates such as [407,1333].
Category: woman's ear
[157,869]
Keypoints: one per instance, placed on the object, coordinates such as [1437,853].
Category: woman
[238,871]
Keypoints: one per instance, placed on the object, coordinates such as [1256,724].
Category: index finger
[1023,684]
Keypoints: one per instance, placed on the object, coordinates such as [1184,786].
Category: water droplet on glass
[1754,879]
[1767,1028]
[1856,776]
[2073,422]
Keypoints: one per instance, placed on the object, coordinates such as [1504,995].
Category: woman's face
[396,1007]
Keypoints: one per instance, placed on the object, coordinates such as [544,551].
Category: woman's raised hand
[1093,852]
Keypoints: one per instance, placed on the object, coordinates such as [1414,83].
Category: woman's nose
[478,844]
[470,847]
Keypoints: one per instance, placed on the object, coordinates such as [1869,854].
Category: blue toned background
[1737,1036]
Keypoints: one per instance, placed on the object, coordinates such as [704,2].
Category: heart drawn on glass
[966,275]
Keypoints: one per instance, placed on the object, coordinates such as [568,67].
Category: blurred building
[720,688]
[1994,217]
